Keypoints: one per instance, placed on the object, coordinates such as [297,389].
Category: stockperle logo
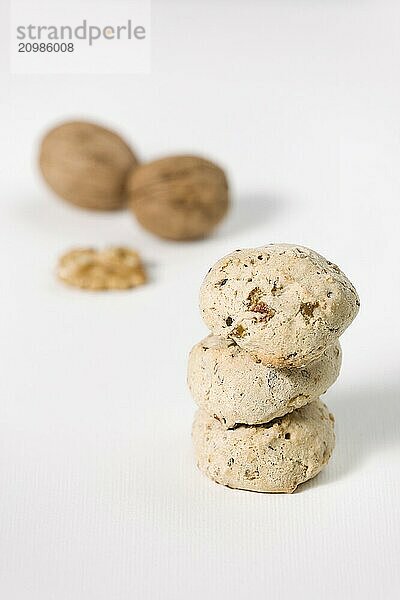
[85,36]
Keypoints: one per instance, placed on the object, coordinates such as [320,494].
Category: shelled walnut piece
[178,197]
[87,165]
[110,269]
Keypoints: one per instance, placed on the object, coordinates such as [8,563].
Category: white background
[99,495]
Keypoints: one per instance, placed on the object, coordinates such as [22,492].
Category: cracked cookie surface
[234,386]
[284,302]
[275,457]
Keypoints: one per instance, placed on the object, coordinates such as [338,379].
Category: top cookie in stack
[284,303]
[275,315]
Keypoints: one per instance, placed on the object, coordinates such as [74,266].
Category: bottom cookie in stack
[272,457]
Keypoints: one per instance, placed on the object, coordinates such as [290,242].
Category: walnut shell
[86,165]
[178,197]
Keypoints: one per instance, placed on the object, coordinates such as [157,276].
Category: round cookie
[283,302]
[237,388]
[275,457]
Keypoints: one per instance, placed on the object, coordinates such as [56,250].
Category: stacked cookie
[275,314]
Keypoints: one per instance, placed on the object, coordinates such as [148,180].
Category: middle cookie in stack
[275,314]
[237,389]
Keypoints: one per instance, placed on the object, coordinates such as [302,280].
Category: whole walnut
[178,197]
[86,165]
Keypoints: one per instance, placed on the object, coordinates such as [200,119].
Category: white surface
[100,498]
